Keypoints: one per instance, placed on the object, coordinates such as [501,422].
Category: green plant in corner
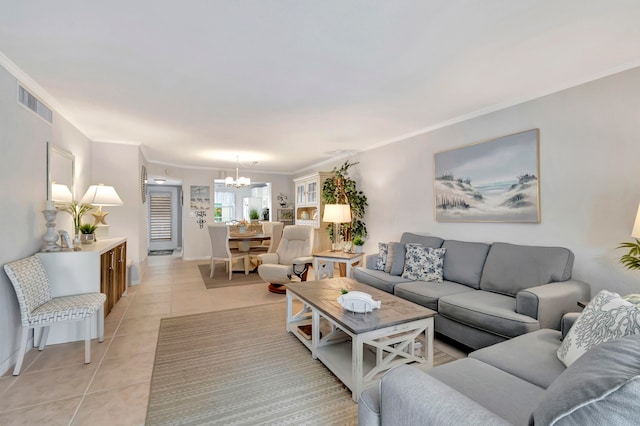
[341,189]
[253,214]
[631,260]
[87,228]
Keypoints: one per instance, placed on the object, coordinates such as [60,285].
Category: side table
[329,258]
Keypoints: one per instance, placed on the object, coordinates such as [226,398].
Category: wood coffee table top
[323,295]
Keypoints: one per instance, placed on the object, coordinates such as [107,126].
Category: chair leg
[213,268]
[87,340]
[230,268]
[246,265]
[101,324]
[43,338]
[22,350]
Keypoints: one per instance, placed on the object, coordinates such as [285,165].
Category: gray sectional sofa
[516,382]
[490,292]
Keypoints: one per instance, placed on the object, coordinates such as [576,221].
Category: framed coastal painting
[200,197]
[492,181]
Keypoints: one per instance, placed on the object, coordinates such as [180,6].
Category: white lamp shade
[101,195]
[61,193]
[337,213]
[636,226]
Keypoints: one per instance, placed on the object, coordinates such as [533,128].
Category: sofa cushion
[606,317]
[464,261]
[601,387]
[506,395]
[426,293]
[425,240]
[510,268]
[531,357]
[423,263]
[492,312]
[397,253]
[378,279]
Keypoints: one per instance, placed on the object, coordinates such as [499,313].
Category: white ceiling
[293,83]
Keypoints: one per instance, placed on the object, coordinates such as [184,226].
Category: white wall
[119,165]
[589,153]
[23,139]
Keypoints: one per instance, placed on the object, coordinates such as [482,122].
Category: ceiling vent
[34,104]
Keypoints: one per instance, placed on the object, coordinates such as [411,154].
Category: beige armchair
[292,257]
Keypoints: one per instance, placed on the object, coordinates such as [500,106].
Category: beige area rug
[221,277]
[241,367]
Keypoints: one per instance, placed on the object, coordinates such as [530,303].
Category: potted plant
[253,214]
[87,233]
[77,210]
[341,189]
[358,243]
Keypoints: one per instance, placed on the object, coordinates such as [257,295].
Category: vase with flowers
[77,210]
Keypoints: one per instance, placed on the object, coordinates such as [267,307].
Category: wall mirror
[60,174]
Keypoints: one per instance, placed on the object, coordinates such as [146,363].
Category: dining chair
[38,309]
[219,235]
[274,231]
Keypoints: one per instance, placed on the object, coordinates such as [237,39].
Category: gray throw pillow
[397,261]
[600,388]
[390,253]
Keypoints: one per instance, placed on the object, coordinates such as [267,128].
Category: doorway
[164,217]
[235,204]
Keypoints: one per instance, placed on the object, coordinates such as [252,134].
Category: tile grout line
[104,355]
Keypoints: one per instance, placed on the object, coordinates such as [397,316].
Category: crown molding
[39,91]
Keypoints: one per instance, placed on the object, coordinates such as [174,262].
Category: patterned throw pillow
[606,317]
[423,263]
[382,256]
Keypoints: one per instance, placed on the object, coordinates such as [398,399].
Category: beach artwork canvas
[493,181]
[200,197]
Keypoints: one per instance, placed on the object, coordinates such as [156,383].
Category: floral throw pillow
[423,263]
[606,317]
[382,256]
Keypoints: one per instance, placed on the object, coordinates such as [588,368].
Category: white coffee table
[356,347]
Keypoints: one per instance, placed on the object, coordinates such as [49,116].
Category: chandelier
[239,181]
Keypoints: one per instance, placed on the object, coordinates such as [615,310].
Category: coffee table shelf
[358,348]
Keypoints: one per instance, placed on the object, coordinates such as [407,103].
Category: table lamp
[101,195]
[338,214]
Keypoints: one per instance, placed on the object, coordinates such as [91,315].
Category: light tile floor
[57,388]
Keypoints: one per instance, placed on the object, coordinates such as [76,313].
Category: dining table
[244,242]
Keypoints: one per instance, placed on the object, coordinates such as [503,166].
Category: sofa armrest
[547,303]
[371,262]
[268,258]
[567,322]
[409,396]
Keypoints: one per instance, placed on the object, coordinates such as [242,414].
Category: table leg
[357,361]
[315,332]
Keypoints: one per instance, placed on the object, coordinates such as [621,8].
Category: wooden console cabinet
[98,267]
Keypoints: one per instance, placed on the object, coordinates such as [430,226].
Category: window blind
[160,216]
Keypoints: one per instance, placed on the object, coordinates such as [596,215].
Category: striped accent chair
[39,309]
